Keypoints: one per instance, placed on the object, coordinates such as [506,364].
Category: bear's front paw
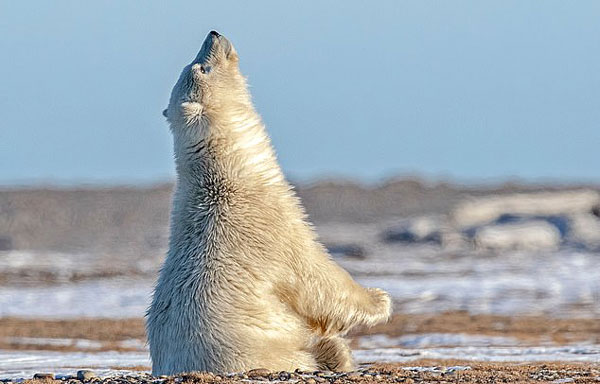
[381,304]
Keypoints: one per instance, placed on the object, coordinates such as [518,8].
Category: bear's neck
[229,146]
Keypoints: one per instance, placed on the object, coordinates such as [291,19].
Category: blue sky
[467,90]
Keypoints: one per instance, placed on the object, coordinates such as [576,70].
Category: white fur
[245,283]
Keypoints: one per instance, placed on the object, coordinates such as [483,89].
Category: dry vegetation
[528,329]
[91,329]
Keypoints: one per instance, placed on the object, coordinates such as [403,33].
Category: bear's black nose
[215,33]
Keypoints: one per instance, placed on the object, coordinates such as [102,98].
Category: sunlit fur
[245,283]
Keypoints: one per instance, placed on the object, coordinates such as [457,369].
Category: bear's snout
[214,41]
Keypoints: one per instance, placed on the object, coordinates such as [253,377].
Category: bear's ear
[165,113]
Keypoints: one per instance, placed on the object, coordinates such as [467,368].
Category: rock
[354,251]
[585,231]
[453,240]
[533,235]
[42,376]
[354,375]
[86,375]
[425,229]
[399,235]
[560,222]
[259,372]
[198,376]
[310,381]
[477,212]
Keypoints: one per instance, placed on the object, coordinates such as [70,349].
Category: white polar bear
[245,283]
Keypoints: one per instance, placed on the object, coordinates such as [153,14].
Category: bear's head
[210,85]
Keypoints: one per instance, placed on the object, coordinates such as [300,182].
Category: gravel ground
[451,372]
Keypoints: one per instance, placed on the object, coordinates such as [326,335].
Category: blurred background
[446,151]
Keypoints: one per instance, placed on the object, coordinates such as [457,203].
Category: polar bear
[245,283]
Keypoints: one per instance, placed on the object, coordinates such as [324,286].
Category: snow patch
[581,353]
[48,342]
[83,344]
[24,364]
[112,298]
[434,340]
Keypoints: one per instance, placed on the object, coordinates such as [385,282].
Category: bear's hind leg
[333,354]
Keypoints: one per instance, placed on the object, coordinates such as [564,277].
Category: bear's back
[216,298]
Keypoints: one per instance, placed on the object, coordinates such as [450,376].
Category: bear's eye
[202,70]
